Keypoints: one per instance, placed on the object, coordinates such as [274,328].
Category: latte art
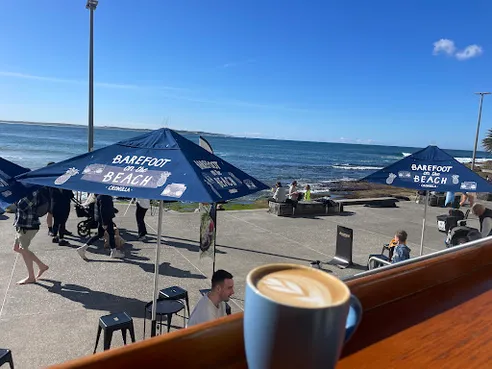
[296,287]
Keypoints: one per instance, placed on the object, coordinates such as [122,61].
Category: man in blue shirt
[26,223]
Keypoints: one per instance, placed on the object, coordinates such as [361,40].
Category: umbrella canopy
[10,189]
[430,169]
[160,165]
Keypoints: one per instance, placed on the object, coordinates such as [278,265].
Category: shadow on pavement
[95,300]
[264,253]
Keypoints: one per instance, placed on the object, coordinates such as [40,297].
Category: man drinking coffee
[212,305]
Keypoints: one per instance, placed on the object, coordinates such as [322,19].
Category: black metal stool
[6,357]
[111,323]
[227,306]
[164,307]
[175,293]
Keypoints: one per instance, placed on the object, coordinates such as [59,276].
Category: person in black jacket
[60,208]
[103,215]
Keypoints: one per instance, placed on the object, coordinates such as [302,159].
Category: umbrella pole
[153,330]
[423,223]
[128,207]
[215,235]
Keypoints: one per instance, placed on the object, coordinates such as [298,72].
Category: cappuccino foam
[296,287]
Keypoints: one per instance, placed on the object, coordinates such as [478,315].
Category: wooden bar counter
[429,312]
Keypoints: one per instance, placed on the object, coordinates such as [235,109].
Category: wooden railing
[413,304]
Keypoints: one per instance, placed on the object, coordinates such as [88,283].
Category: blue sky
[386,72]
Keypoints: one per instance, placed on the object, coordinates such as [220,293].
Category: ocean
[316,163]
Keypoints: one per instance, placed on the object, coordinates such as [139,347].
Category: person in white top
[293,193]
[142,206]
[279,194]
[212,305]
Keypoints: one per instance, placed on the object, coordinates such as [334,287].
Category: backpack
[43,205]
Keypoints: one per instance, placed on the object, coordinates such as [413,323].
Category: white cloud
[448,47]
[444,46]
[471,51]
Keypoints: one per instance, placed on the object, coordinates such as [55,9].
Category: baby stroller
[455,217]
[462,234]
[84,227]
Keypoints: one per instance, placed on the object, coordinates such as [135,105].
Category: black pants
[293,202]
[140,215]
[59,224]
[100,234]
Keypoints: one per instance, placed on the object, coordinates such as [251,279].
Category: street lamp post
[91,5]
[482,94]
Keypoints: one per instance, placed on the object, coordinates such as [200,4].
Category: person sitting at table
[212,305]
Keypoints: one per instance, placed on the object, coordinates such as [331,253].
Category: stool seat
[112,323]
[6,357]
[175,293]
[115,321]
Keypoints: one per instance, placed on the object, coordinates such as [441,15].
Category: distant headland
[109,127]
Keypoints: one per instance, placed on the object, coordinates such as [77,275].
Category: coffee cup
[297,317]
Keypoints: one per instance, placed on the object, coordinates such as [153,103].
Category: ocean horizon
[34,144]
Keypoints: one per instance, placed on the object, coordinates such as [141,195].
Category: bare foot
[26,281]
[41,271]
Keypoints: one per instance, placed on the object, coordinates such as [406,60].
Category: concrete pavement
[56,319]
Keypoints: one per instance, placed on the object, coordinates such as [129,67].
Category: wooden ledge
[418,313]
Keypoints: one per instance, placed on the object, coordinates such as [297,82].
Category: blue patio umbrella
[430,169]
[11,190]
[160,165]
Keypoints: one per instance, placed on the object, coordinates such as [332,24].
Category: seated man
[212,305]
[279,193]
[401,252]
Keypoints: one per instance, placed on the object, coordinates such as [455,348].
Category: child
[402,251]
[307,194]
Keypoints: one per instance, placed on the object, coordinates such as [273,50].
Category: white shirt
[292,192]
[205,311]
[486,226]
[280,195]
[144,203]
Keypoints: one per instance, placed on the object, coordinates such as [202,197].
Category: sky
[382,72]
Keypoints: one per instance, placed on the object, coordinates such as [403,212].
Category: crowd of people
[55,203]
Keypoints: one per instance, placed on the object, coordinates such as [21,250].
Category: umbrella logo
[456,178]
[163,178]
[391,178]
[66,176]
[174,190]
[94,169]
[468,186]
[249,183]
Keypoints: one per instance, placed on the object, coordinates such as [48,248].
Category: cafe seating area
[444,295]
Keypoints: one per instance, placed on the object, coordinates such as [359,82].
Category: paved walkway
[56,319]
